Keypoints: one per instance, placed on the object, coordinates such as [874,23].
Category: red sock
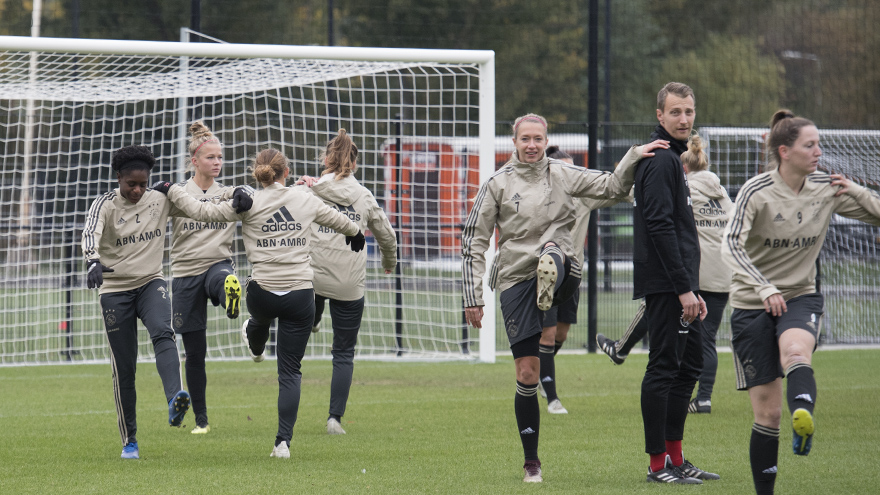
[658,462]
[673,448]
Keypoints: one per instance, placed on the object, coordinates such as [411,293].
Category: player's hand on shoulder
[162,186]
[653,145]
[307,180]
[242,198]
[356,242]
[842,183]
[95,274]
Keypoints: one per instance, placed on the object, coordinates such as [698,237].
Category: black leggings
[195,346]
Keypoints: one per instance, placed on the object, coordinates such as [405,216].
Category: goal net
[66,105]
[848,264]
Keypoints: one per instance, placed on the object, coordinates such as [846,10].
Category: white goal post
[67,104]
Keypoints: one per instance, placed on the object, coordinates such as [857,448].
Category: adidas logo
[778,218]
[770,470]
[121,221]
[547,379]
[516,197]
[281,221]
[714,203]
[804,397]
[527,431]
[349,212]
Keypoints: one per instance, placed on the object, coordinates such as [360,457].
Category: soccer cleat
[671,474]
[258,358]
[555,407]
[177,408]
[201,430]
[541,390]
[334,428]
[700,406]
[281,451]
[233,296]
[130,451]
[546,282]
[533,472]
[609,347]
[695,472]
[803,428]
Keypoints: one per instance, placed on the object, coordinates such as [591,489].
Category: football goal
[67,104]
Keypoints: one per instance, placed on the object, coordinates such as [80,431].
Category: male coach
[666,273]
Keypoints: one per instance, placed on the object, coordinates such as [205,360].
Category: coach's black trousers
[674,363]
[295,311]
[121,310]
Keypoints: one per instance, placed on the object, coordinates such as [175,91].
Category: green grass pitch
[416,428]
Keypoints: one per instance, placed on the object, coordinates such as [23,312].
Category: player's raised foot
[609,347]
[700,406]
[555,407]
[671,474]
[258,358]
[130,451]
[177,408]
[541,390]
[334,428]
[695,472]
[201,430]
[233,296]
[281,451]
[546,281]
[533,472]
[802,436]
[316,327]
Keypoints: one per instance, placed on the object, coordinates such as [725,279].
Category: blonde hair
[340,156]
[199,135]
[530,117]
[695,158]
[785,128]
[269,166]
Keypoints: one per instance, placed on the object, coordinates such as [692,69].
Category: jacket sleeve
[94,229]
[478,230]
[860,203]
[659,193]
[202,211]
[604,185]
[733,250]
[329,217]
[381,228]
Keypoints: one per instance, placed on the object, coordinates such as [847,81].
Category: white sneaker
[316,328]
[334,428]
[257,358]
[532,471]
[541,390]
[555,407]
[281,451]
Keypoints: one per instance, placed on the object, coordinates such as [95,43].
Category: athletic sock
[528,418]
[548,371]
[336,417]
[557,345]
[673,448]
[801,387]
[763,455]
[658,462]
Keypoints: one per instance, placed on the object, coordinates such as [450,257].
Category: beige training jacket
[340,273]
[195,245]
[712,206]
[531,204]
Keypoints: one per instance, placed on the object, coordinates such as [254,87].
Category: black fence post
[398,223]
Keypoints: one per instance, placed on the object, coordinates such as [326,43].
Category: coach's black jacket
[666,254]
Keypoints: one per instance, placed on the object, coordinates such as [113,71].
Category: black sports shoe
[700,406]
[695,472]
[609,347]
[671,474]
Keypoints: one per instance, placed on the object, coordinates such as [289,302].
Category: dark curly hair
[132,158]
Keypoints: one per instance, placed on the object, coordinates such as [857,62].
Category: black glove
[162,186]
[356,241]
[95,274]
[242,199]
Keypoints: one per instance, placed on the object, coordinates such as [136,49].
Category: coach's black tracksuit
[666,263]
